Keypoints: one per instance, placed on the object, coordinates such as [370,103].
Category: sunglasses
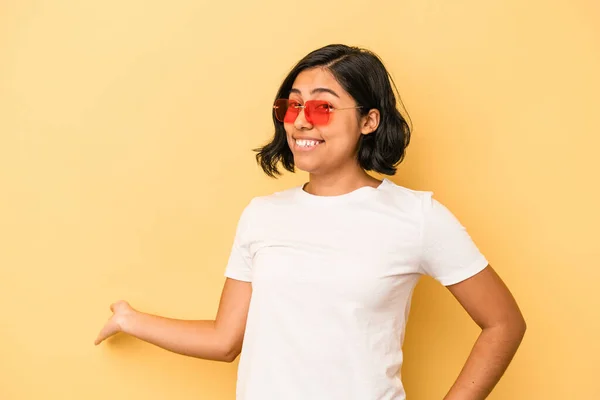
[316,112]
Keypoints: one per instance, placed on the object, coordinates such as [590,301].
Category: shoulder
[422,205]
[264,203]
[261,208]
[408,199]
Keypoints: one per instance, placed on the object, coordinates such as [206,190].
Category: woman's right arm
[218,340]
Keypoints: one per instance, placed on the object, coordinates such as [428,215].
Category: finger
[106,331]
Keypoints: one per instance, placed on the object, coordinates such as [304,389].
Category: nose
[301,122]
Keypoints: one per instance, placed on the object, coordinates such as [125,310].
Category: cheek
[344,134]
[289,131]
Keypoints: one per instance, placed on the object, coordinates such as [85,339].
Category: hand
[121,311]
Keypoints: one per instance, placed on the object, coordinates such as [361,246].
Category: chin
[304,166]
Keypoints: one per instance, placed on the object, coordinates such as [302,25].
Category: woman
[320,276]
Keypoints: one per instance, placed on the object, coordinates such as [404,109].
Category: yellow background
[125,159]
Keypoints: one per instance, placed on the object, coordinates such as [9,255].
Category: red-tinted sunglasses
[316,112]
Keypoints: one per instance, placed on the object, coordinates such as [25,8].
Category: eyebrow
[316,90]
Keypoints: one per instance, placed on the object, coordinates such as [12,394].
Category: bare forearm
[489,359]
[191,338]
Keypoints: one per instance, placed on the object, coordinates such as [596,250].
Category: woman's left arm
[489,302]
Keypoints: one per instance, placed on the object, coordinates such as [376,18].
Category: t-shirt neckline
[359,193]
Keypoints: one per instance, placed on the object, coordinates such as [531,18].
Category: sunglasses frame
[330,109]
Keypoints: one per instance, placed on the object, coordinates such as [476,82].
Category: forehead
[315,78]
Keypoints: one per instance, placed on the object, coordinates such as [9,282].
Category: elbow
[522,327]
[518,325]
[512,329]
[518,331]
[231,352]
[230,356]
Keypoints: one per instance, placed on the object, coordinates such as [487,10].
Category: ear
[369,122]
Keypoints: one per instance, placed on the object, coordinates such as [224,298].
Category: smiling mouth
[308,143]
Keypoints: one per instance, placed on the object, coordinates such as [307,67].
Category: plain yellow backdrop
[126,130]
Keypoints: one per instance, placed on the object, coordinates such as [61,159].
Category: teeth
[306,143]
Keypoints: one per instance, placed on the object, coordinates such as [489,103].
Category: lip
[305,149]
[307,138]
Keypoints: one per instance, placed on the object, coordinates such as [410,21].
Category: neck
[340,182]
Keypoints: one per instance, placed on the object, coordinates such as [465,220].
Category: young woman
[320,276]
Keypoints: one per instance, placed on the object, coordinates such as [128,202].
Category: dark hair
[362,74]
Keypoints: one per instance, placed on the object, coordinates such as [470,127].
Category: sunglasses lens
[317,112]
[285,110]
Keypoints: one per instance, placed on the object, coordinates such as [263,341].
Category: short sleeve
[239,265]
[449,254]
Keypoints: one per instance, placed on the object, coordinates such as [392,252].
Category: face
[323,148]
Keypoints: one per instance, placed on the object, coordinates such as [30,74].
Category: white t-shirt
[332,280]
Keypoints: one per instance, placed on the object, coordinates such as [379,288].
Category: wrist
[126,321]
